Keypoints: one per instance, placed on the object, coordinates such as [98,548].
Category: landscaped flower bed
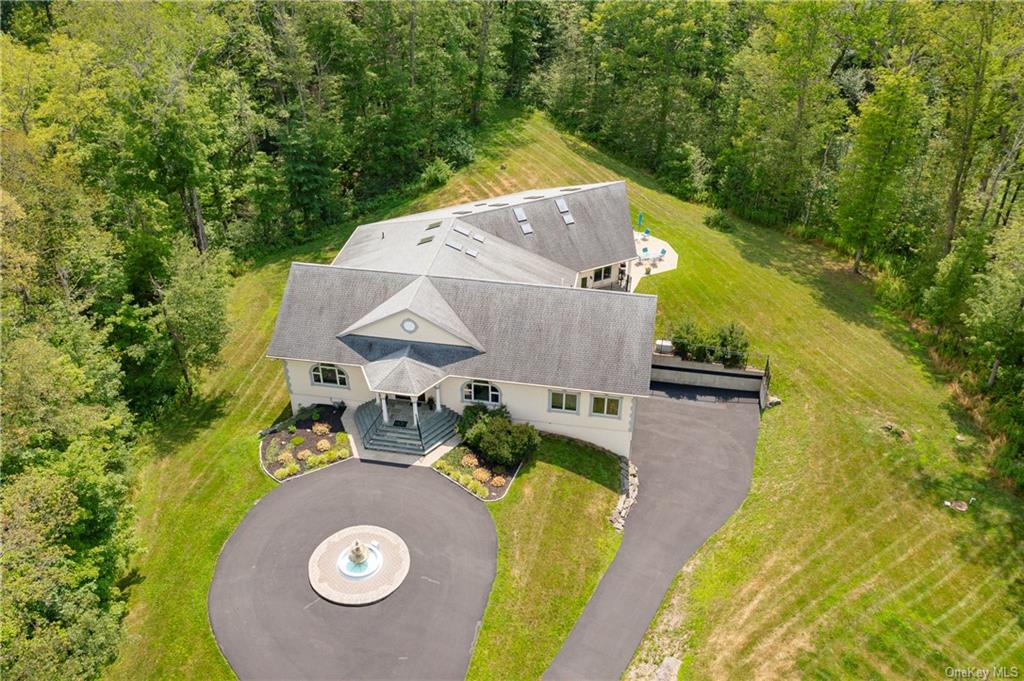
[312,439]
[473,472]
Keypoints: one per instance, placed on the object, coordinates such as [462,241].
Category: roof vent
[525,226]
[534,197]
[461,229]
[425,240]
[520,214]
[453,244]
[472,252]
[563,207]
[434,225]
[480,204]
[462,212]
[568,218]
[478,237]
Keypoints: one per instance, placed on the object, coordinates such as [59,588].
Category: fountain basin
[336,578]
[374,559]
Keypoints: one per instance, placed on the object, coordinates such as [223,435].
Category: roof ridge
[486,281]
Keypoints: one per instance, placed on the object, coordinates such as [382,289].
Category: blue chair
[647,232]
[644,254]
[662,254]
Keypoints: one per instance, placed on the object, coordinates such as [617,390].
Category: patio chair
[644,253]
[661,256]
[647,233]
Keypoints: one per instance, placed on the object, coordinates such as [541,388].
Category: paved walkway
[269,622]
[695,453]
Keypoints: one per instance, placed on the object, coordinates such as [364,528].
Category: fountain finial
[358,554]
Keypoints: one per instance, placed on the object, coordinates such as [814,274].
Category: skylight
[535,196]
[569,189]
[563,207]
[472,252]
[453,244]
[480,204]
[520,214]
[478,237]
[434,225]
[461,229]
[462,212]
[525,226]
[568,218]
[425,240]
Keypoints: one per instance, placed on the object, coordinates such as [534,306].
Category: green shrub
[318,460]
[321,429]
[502,442]
[315,415]
[731,345]
[323,445]
[469,459]
[478,489]
[689,340]
[719,220]
[285,471]
[442,465]
[285,458]
[291,429]
[470,415]
[303,454]
[482,474]
[498,481]
[436,173]
[298,440]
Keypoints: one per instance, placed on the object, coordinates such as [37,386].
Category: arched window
[481,391]
[329,374]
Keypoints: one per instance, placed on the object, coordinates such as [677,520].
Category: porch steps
[435,428]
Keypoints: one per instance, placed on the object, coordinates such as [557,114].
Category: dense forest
[151,149]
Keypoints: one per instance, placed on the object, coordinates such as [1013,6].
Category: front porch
[404,426]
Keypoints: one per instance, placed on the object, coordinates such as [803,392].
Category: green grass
[842,562]
[558,508]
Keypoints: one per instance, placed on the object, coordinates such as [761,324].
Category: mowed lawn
[842,562]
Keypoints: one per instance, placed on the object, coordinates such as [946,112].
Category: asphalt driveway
[694,451]
[269,622]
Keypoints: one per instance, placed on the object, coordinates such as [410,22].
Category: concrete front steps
[435,428]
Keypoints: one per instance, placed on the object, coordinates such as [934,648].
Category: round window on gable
[409,326]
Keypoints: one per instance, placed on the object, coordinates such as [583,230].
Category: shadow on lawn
[184,420]
[578,458]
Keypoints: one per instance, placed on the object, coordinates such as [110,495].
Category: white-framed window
[603,405]
[563,401]
[481,391]
[329,374]
[602,273]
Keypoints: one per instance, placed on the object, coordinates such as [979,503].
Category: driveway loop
[271,624]
[333,575]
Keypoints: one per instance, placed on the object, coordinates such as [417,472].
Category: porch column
[415,412]
[437,398]
[384,406]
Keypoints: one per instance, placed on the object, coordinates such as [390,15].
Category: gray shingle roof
[601,234]
[547,335]
[395,246]
[400,373]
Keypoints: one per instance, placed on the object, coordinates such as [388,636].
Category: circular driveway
[269,622]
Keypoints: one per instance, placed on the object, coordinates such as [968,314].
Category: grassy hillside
[842,561]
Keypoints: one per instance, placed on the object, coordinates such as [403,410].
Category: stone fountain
[359,565]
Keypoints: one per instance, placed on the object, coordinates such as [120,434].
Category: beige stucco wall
[589,274]
[305,393]
[391,327]
[527,403]
[530,403]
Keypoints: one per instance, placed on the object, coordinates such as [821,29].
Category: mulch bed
[454,468]
[275,447]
